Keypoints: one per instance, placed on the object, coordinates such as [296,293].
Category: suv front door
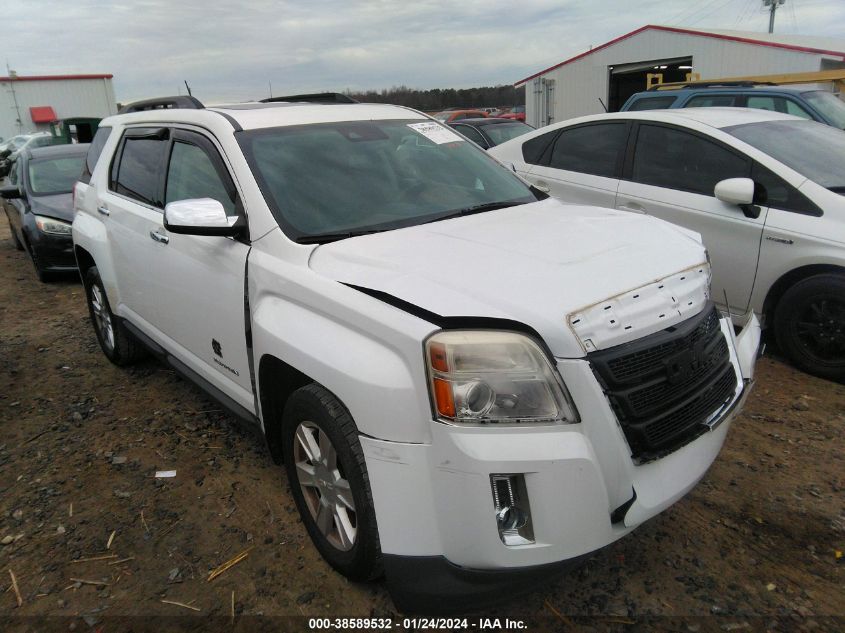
[200,279]
[671,174]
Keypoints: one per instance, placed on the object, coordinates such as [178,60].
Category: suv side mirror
[10,192]
[737,191]
[201,216]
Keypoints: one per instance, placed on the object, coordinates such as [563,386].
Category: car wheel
[117,343]
[328,479]
[810,325]
[15,240]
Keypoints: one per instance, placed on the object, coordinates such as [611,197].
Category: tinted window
[670,158]
[472,134]
[771,190]
[94,151]
[777,104]
[501,132]
[49,176]
[139,170]
[712,101]
[652,103]
[533,149]
[592,149]
[192,175]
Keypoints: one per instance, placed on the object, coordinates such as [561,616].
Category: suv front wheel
[810,325]
[329,483]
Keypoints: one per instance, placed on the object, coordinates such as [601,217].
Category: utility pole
[12,77]
[773,7]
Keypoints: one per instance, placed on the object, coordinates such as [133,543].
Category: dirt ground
[90,534]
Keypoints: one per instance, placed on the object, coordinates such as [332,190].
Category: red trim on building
[43,114]
[54,77]
[672,29]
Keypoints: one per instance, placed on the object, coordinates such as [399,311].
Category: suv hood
[538,264]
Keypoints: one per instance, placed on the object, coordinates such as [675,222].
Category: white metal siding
[68,97]
[580,84]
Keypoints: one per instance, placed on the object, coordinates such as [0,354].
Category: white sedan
[764,189]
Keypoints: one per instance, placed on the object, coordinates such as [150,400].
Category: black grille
[664,387]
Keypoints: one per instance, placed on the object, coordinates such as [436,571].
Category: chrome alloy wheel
[102,318]
[324,486]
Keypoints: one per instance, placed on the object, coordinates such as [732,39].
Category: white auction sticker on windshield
[435,132]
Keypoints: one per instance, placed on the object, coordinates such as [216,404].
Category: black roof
[58,151]
[484,121]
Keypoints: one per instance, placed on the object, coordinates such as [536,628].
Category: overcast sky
[232,50]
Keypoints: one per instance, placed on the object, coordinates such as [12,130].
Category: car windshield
[812,149]
[829,105]
[50,176]
[334,180]
[501,132]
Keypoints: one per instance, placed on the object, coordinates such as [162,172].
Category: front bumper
[436,515]
[54,253]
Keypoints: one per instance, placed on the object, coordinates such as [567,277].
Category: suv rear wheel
[117,343]
[329,482]
[810,325]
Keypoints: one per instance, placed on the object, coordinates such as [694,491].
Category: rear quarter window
[94,151]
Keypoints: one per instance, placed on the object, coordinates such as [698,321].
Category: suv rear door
[671,173]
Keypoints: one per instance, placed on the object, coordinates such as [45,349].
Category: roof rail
[317,97]
[709,84]
[163,103]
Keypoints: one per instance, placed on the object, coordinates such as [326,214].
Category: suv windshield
[812,149]
[50,176]
[335,180]
[829,105]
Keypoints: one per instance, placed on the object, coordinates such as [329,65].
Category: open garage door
[627,79]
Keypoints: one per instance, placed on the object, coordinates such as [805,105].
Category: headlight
[51,226]
[488,377]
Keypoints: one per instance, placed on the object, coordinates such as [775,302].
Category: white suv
[764,190]
[460,376]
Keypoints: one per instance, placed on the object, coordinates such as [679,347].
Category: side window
[651,103]
[712,101]
[670,158]
[192,174]
[770,190]
[796,110]
[14,175]
[534,149]
[591,149]
[137,173]
[94,151]
[472,134]
[778,104]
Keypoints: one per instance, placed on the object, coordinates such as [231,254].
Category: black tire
[323,413]
[120,347]
[43,276]
[810,325]
[15,240]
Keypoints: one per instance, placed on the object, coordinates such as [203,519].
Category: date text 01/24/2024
[416,624]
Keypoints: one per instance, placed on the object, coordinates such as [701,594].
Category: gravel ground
[92,536]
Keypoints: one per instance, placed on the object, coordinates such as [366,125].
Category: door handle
[159,237]
[542,186]
[632,207]
[104,210]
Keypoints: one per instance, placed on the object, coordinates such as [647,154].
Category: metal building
[29,104]
[610,73]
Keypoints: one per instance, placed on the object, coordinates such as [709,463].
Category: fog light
[512,512]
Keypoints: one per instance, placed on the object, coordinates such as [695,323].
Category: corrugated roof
[800,43]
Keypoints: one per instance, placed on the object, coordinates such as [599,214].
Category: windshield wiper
[478,208]
[325,238]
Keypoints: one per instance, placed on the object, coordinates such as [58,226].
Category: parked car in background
[765,190]
[447,361]
[38,202]
[489,132]
[517,113]
[29,141]
[818,105]
[447,116]
[14,143]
